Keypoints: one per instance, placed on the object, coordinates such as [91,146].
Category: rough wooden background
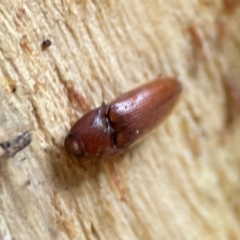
[182,181]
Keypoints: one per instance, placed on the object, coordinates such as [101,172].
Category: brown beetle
[110,129]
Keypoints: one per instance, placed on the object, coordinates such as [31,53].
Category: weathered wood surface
[182,181]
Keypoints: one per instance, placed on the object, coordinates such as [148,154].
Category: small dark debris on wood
[13,146]
[28,182]
[46,44]
[232,100]
[14,89]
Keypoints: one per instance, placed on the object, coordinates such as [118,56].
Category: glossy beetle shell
[110,129]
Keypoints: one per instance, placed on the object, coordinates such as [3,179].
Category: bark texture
[180,182]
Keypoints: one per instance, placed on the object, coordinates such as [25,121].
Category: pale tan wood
[182,181]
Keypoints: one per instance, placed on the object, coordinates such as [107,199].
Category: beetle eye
[72,146]
[70,135]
